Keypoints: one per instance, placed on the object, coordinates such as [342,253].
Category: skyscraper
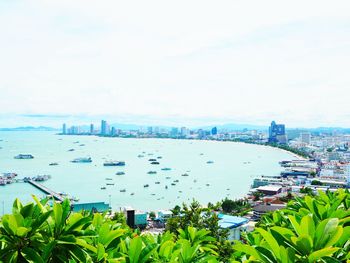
[103,127]
[64,129]
[277,133]
[91,128]
[214,131]
[305,137]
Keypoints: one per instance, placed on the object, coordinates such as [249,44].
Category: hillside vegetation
[310,229]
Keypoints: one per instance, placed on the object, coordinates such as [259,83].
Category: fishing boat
[114,163]
[173,184]
[157,182]
[120,173]
[71,150]
[24,156]
[140,156]
[146,185]
[122,190]
[176,181]
[185,174]
[152,172]
[154,162]
[166,187]
[82,160]
[109,179]
[109,184]
[52,164]
[209,162]
[168,177]
[159,157]
[103,188]
[132,193]
[166,169]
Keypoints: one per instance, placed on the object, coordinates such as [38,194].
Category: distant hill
[30,128]
[236,127]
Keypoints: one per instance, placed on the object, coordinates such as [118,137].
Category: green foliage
[152,215]
[310,229]
[235,206]
[37,232]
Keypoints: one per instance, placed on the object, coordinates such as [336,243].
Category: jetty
[46,190]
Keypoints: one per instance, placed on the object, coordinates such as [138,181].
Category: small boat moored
[24,156]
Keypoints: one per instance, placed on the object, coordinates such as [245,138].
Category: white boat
[24,156]
[82,160]
[114,163]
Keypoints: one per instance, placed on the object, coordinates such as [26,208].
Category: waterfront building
[234,224]
[277,133]
[113,132]
[305,137]
[91,128]
[103,127]
[174,132]
[150,130]
[214,131]
[100,207]
[64,129]
[184,132]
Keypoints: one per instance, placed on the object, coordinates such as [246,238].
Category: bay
[230,175]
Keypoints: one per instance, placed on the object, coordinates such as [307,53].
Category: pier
[46,190]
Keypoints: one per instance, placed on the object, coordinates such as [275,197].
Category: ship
[24,156]
[82,160]
[114,163]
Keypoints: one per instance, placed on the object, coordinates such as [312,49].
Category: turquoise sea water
[235,165]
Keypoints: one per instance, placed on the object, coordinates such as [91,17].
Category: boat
[146,185]
[103,188]
[122,190]
[114,163]
[140,156]
[76,142]
[207,184]
[210,162]
[71,150]
[159,157]
[24,156]
[82,160]
[166,169]
[120,173]
[176,181]
[52,164]
[109,179]
[166,187]
[154,162]
[152,172]
[185,174]
[173,184]
[168,177]
[157,182]
[132,193]
[82,145]
[109,184]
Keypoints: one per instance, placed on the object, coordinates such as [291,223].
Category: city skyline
[214,65]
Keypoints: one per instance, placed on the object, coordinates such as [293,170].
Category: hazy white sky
[180,61]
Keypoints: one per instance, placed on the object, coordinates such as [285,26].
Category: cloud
[186,61]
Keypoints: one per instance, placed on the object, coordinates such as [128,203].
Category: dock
[46,190]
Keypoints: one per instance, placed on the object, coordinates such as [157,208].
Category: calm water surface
[235,165]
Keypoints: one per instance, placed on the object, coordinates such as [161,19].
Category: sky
[175,62]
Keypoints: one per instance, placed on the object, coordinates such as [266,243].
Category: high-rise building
[103,127]
[214,131]
[150,130]
[174,132]
[305,137]
[64,129]
[91,128]
[277,133]
[184,132]
[113,131]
